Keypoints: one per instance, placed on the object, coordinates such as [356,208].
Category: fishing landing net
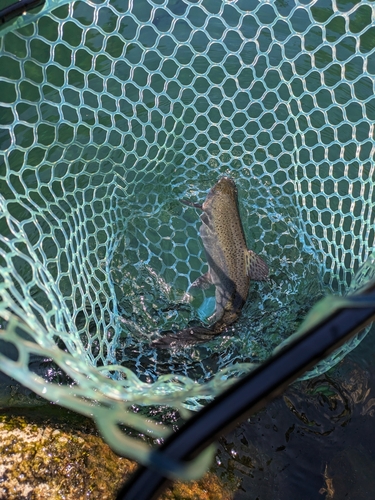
[111,111]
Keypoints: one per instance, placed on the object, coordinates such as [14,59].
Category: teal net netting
[110,112]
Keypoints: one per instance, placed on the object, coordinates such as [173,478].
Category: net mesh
[110,112]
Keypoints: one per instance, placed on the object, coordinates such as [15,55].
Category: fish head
[224,188]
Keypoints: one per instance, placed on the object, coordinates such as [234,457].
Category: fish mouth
[225,185]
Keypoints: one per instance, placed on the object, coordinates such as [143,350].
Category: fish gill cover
[112,111]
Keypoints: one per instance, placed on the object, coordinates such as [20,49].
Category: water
[313,442]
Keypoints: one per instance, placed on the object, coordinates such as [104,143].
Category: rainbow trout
[231,265]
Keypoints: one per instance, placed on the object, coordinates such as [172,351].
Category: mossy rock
[48,452]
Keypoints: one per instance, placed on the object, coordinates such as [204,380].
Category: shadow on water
[313,442]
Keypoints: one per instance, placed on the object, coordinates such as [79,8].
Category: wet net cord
[252,393]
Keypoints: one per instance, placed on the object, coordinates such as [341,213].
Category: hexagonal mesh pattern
[113,110]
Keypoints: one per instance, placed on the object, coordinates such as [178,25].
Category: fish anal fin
[202,282]
[256,268]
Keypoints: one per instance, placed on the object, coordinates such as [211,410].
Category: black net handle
[18,8]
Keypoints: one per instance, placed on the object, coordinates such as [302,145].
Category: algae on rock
[48,452]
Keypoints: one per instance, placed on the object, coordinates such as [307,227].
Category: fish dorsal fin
[256,268]
[202,282]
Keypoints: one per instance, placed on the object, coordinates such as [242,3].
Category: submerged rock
[48,452]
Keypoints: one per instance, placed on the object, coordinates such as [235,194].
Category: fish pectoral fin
[191,204]
[202,282]
[256,268]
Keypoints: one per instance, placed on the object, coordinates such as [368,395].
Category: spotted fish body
[230,264]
